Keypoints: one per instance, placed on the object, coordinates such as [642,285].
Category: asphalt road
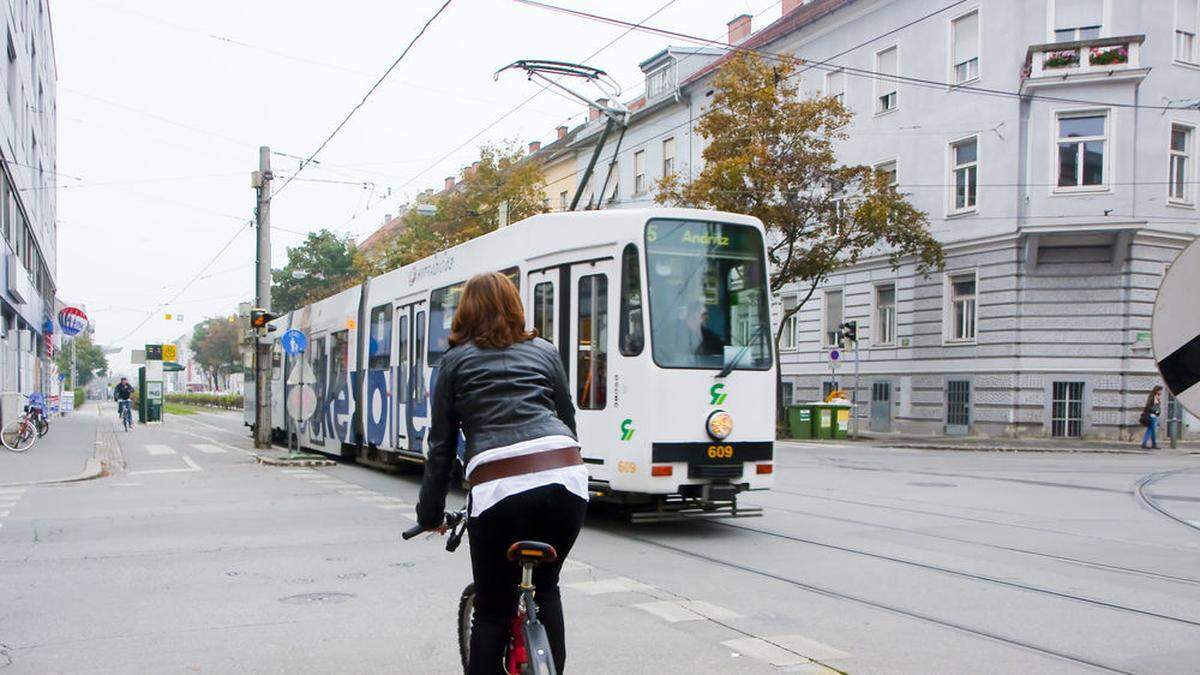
[868,560]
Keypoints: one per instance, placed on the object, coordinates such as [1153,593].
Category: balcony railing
[1081,57]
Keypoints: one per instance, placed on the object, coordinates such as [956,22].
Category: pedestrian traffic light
[850,332]
[261,319]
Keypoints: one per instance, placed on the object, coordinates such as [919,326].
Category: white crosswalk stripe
[154,449]
[209,448]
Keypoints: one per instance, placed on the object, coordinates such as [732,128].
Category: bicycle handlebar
[412,532]
[452,522]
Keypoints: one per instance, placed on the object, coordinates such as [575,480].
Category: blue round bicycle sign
[293,341]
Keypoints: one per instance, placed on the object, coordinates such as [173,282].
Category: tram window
[276,361]
[380,346]
[339,357]
[402,371]
[632,334]
[442,304]
[514,275]
[593,342]
[543,309]
[418,374]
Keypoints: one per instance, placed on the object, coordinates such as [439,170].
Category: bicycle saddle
[532,552]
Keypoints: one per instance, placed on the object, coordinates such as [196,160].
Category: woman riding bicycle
[506,390]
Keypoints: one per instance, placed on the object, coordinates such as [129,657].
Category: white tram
[662,320]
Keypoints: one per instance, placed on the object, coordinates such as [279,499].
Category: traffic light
[261,319]
[850,332]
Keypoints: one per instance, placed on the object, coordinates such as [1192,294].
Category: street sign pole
[854,397]
[262,283]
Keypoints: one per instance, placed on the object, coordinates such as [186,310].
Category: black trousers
[551,514]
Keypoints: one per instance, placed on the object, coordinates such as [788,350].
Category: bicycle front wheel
[18,435]
[466,614]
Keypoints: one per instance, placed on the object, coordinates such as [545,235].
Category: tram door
[313,418]
[408,377]
[592,299]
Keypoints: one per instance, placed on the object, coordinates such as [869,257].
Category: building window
[1081,141]
[962,308]
[1181,156]
[543,310]
[631,336]
[958,403]
[787,337]
[885,315]
[1185,31]
[593,342]
[563,201]
[888,171]
[379,349]
[831,317]
[787,392]
[1066,410]
[964,36]
[835,85]
[965,155]
[828,387]
[1077,19]
[659,81]
[887,63]
[639,172]
[668,154]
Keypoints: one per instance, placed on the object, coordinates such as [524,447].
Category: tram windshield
[708,295]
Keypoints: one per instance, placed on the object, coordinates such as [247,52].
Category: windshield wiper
[737,358]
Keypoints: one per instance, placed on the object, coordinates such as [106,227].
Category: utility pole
[262,300]
[73,385]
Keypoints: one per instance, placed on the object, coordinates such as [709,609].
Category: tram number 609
[720,451]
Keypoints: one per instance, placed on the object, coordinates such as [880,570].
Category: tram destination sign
[1175,329]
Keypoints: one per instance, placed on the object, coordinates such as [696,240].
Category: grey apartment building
[1052,144]
[27,197]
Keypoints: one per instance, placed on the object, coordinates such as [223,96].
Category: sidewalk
[68,452]
[985,444]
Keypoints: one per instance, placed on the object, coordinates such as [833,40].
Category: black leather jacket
[497,397]
[123,392]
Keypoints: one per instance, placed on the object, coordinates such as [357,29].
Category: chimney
[789,5]
[593,114]
[474,168]
[535,146]
[562,132]
[387,218]
[449,182]
[739,29]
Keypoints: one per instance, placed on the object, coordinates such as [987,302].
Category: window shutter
[1186,20]
[966,38]
[1077,13]
[888,61]
[836,83]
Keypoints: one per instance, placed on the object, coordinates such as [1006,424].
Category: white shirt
[487,495]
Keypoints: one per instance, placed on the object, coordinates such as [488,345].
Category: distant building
[27,197]
[557,160]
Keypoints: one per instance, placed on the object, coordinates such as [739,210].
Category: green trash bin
[831,420]
[800,421]
[841,421]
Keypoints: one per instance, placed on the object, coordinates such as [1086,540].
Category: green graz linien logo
[718,396]
[627,430]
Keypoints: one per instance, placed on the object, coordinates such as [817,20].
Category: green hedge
[79,398]
[226,401]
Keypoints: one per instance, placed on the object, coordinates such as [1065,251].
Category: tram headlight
[719,425]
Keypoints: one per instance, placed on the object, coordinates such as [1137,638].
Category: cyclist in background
[506,390]
[123,393]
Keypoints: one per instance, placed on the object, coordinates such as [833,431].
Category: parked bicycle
[31,424]
[528,650]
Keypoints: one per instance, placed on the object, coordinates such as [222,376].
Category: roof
[782,27]
[378,236]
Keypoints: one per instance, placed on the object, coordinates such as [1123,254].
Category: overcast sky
[162,106]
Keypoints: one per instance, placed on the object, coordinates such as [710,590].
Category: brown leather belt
[523,464]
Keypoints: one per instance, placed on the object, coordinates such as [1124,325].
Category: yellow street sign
[167,317]
[170,352]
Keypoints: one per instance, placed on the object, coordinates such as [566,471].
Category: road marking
[373,498]
[614,585]
[188,460]
[209,449]
[816,651]
[160,450]
[673,611]
[765,651]
[192,467]
[355,491]
[393,507]
[12,491]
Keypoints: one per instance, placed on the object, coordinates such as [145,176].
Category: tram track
[1011,549]
[887,607]
[1146,500]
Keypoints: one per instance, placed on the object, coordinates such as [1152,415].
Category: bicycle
[20,434]
[528,649]
[125,411]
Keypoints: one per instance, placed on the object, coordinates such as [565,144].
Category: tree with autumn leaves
[771,153]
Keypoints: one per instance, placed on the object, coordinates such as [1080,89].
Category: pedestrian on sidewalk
[506,391]
[1149,418]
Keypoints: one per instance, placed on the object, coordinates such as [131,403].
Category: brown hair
[490,313]
[1150,397]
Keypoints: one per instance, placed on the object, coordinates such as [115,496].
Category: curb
[1042,449]
[91,469]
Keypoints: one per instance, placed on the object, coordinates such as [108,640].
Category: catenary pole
[262,300]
